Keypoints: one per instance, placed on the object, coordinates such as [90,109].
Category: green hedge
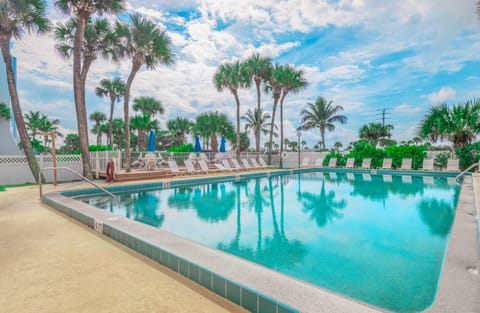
[183,148]
[362,149]
[397,153]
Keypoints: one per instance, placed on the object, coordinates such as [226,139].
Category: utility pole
[384,112]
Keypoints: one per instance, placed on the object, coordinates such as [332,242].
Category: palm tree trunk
[272,125]
[237,100]
[133,72]
[214,142]
[99,134]
[281,126]
[79,95]
[322,134]
[259,117]
[110,121]
[17,110]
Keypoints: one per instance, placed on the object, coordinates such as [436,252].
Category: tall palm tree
[179,127]
[118,132]
[261,125]
[112,89]
[98,118]
[145,44]
[459,124]
[143,123]
[322,114]
[4,111]
[33,122]
[15,17]
[233,76]
[260,69]
[148,105]
[85,39]
[293,81]
[372,133]
[212,124]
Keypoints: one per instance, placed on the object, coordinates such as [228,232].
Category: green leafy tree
[337,145]
[148,105]
[16,17]
[244,142]
[4,111]
[322,115]
[118,132]
[179,128]
[113,89]
[143,124]
[72,144]
[80,34]
[459,124]
[258,121]
[233,76]
[274,84]
[98,118]
[373,132]
[145,44]
[260,69]
[397,153]
[211,124]
[48,127]
[33,122]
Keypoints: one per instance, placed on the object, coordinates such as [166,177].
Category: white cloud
[444,94]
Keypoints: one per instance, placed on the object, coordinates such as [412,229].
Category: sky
[365,55]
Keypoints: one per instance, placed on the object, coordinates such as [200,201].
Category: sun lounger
[221,168]
[319,162]
[139,162]
[227,166]
[255,164]
[366,163]
[427,165]
[453,165]
[332,162]
[387,164]
[246,165]
[174,168]
[262,162]
[150,161]
[160,160]
[406,164]
[237,165]
[190,168]
[204,166]
[350,163]
[305,162]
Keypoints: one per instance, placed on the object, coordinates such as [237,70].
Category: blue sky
[362,54]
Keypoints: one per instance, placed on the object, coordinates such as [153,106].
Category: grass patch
[4,187]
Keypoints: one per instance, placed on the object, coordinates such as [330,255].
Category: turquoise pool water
[377,239]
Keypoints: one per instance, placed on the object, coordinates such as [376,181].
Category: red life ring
[110,171]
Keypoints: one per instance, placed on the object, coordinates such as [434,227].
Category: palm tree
[145,44]
[259,121]
[293,81]
[76,34]
[148,105]
[98,118]
[212,124]
[15,17]
[118,132]
[337,145]
[143,123]
[322,114]
[179,127]
[372,133]
[47,127]
[4,111]
[275,85]
[233,76]
[260,69]
[459,124]
[244,142]
[33,122]
[112,89]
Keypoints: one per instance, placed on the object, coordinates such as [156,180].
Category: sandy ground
[51,263]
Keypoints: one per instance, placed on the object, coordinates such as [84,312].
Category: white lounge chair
[262,162]
[406,164]
[255,164]
[160,160]
[305,162]
[227,166]
[350,163]
[220,167]
[453,165]
[246,165]
[366,163]
[204,166]
[139,162]
[332,162]
[427,165]
[174,168]
[190,167]
[150,162]
[319,162]
[237,165]
[387,164]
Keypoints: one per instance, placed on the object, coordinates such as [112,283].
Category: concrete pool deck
[458,290]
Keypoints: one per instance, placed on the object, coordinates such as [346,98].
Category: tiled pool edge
[308,299]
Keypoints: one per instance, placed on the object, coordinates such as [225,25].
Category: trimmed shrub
[362,149]
[397,153]
[188,147]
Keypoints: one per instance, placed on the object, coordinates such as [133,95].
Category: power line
[384,112]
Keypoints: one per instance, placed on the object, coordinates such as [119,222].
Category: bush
[441,159]
[188,147]
[397,153]
[468,155]
[341,161]
[99,148]
[362,149]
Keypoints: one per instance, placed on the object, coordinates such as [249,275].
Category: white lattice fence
[14,169]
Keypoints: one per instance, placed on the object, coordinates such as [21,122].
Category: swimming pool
[380,239]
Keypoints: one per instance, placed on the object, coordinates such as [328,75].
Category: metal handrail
[468,169]
[78,175]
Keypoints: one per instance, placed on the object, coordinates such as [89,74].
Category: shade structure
[151,141]
[222,144]
[197,146]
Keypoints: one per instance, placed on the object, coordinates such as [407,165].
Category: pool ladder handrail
[468,169]
[75,173]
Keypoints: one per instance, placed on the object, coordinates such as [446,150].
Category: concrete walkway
[50,263]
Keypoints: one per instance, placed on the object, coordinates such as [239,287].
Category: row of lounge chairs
[201,166]
[428,165]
